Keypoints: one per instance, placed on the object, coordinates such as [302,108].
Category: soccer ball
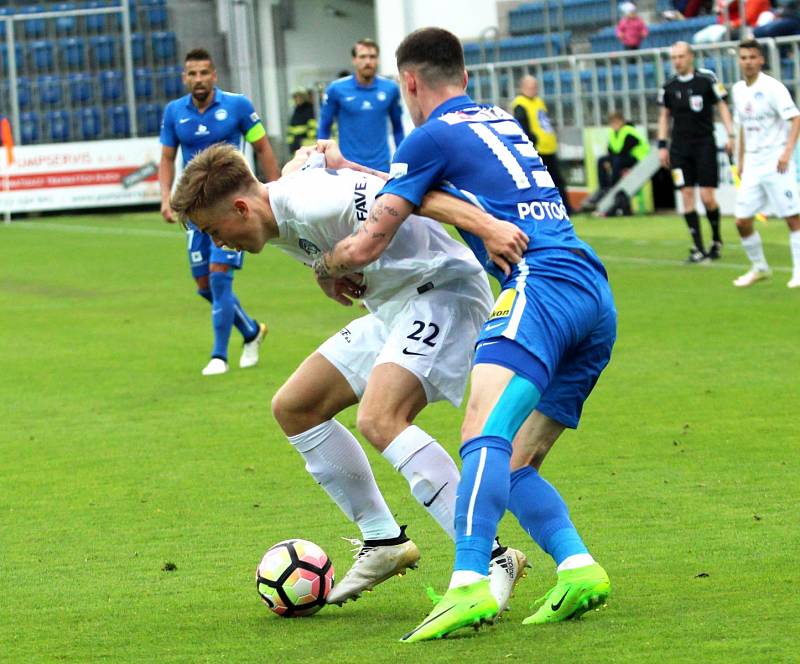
[294,577]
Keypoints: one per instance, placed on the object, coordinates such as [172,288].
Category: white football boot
[505,571]
[794,282]
[249,356]
[375,562]
[215,367]
[751,277]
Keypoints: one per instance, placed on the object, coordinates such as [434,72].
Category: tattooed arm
[367,243]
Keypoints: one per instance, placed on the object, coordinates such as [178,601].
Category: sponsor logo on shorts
[504,304]
[346,334]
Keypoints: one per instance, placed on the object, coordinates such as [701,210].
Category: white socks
[794,245]
[430,471]
[336,461]
[755,252]
[576,561]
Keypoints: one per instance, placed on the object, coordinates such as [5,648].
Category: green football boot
[577,591]
[464,606]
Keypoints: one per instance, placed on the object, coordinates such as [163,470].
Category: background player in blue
[205,116]
[540,352]
[360,104]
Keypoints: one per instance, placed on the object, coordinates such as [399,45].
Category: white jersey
[316,208]
[763,109]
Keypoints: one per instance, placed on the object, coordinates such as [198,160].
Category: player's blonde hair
[211,176]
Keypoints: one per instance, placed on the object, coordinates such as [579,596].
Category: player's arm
[396,116]
[335,159]
[521,116]
[329,110]
[725,116]
[504,241]
[740,151]
[367,243]
[166,176]
[663,130]
[791,140]
[266,158]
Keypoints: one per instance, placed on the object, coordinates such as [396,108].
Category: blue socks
[543,514]
[481,500]
[226,311]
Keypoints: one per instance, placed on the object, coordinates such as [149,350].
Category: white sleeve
[784,104]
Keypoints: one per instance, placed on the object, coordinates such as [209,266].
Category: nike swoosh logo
[428,503]
[409,352]
[556,607]
[494,325]
[182,120]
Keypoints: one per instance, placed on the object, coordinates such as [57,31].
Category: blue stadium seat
[33,27]
[171,81]
[66,25]
[57,125]
[148,118]
[81,88]
[42,55]
[24,95]
[51,91]
[133,14]
[4,57]
[156,14]
[137,48]
[164,46]
[96,22]
[29,127]
[103,51]
[89,123]
[143,83]
[71,52]
[111,85]
[119,121]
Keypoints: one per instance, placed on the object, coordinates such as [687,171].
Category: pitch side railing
[580,90]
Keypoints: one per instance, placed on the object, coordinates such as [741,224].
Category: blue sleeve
[396,115]
[330,109]
[418,166]
[168,136]
[248,117]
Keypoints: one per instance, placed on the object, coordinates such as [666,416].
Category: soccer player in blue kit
[360,104]
[205,116]
[540,352]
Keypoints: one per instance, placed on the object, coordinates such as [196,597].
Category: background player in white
[769,124]
[427,296]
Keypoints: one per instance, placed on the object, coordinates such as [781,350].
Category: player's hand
[343,289]
[333,156]
[166,212]
[663,157]
[506,244]
[783,162]
[729,147]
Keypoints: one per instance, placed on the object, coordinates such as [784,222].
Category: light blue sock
[247,326]
[481,500]
[543,514]
[222,311]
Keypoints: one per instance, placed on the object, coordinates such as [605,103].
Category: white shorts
[433,336]
[766,190]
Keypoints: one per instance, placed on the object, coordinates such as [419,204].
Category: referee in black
[689,98]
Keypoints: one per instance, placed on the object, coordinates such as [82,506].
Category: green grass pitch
[682,477]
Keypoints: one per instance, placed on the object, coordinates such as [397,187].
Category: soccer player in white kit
[769,124]
[427,296]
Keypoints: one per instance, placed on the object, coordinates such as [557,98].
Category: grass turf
[117,458]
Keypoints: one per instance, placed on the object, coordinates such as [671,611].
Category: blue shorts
[202,251]
[555,324]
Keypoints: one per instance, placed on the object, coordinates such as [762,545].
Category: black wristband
[662,143]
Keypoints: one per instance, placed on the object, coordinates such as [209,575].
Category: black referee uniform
[690,100]
[693,150]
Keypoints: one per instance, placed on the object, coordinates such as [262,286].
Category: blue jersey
[360,113]
[483,154]
[226,120]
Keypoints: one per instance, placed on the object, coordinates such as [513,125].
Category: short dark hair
[435,53]
[199,54]
[751,43]
[369,43]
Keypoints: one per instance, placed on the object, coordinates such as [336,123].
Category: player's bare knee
[378,428]
[290,414]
